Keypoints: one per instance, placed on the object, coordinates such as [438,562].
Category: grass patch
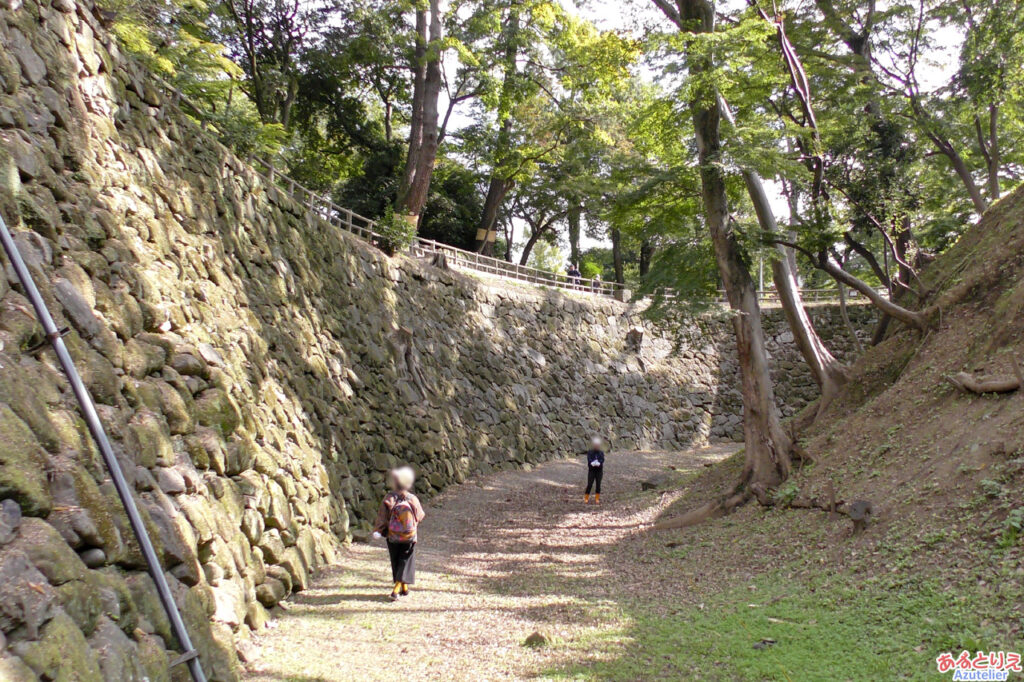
[827,629]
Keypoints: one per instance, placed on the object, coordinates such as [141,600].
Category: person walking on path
[399,517]
[595,470]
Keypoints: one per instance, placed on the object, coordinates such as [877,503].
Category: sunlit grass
[829,629]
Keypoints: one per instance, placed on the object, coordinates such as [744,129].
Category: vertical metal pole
[92,419]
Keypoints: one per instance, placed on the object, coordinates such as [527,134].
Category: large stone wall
[258,371]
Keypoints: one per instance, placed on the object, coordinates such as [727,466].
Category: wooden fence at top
[350,221]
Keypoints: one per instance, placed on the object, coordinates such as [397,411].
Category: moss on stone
[142,394]
[62,653]
[148,440]
[131,556]
[29,390]
[147,602]
[22,465]
[142,359]
[97,372]
[154,659]
[178,408]
[216,410]
[13,670]
[81,601]
[118,604]
[49,553]
[90,502]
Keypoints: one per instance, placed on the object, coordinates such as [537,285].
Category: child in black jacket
[595,470]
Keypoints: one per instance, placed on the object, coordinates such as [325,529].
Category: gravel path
[500,557]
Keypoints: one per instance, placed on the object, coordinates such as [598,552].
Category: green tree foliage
[547,131]
[177,40]
[547,256]
[590,269]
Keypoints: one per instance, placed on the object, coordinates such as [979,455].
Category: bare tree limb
[966,381]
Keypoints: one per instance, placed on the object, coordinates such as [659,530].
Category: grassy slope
[941,568]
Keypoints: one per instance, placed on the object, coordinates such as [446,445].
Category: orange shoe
[597,498]
[586,499]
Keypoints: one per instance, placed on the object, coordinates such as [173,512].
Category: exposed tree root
[407,360]
[711,510]
[746,489]
[966,381]
[800,456]
[803,419]
[859,511]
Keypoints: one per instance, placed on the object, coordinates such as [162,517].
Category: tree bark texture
[768,447]
[419,165]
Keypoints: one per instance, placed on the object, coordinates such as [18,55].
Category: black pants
[594,475]
[403,563]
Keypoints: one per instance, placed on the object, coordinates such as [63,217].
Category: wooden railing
[770,296]
[350,221]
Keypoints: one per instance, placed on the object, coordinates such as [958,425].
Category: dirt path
[500,557]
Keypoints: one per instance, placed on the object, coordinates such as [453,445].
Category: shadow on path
[501,556]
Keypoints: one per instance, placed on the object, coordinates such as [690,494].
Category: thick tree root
[993,384]
[858,511]
[747,488]
[711,510]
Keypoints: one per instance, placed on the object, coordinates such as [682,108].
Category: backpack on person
[402,524]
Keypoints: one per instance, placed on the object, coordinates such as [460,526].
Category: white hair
[596,441]
[402,478]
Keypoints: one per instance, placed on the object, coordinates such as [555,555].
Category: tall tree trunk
[994,153]
[419,85]
[488,230]
[574,218]
[988,141]
[620,274]
[289,102]
[534,237]
[768,448]
[387,122]
[419,165]
[901,244]
[486,233]
[828,372]
[646,254]
[509,227]
[962,172]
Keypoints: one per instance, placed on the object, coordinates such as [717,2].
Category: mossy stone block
[62,653]
[22,465]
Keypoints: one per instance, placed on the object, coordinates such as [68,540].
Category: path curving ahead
[501,556]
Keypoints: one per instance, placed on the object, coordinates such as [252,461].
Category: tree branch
[671,12]
[821,261]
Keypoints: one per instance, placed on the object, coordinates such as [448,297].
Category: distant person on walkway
[595,470]
[399,516]
[574,275]
[596,283]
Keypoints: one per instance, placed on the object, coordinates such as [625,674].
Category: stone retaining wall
[258,371]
